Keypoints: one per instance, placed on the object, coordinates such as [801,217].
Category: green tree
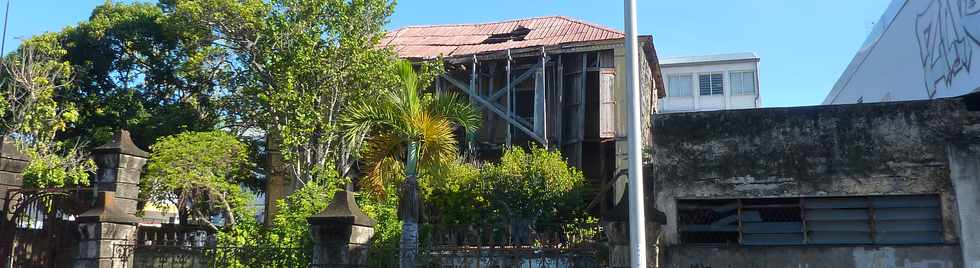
[32,76]
[298,63]
[201,174]
[403,132]
[135,69]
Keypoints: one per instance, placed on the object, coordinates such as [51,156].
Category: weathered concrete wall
[940,256]
[842,150]
[965,174]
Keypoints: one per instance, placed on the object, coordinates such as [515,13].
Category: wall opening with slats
[882,220]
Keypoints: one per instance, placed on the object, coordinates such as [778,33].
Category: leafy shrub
[530,186]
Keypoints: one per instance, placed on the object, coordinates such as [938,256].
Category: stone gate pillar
[12,165]
[106,233]
[120,165]
[341,233]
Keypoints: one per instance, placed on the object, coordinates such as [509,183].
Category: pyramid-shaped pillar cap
[342,210]
[121,143]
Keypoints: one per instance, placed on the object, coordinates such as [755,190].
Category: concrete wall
[695,102]
[965,173]
[942,256]
[841,150]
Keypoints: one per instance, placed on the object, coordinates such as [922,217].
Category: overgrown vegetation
[210,86]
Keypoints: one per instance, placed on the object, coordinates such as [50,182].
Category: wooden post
[491,118]
[473,79]
[560,92]
[544,98]
[540,100]
[580,99]
[510,99]
[438,86]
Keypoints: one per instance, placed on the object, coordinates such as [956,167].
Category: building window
[742,82]
[710,84]
[885,220]
[679,85]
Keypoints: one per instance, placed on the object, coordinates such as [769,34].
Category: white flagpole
[638,248]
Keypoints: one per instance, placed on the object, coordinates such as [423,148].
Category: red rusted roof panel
[468,39]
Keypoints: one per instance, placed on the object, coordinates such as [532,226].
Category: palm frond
[409,84]
[436,139]
[368,116]
[458,112]
[384,155]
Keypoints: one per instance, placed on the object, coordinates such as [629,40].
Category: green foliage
[66,166]
[134,69]
[199,171]
[299,63]
[525,187]
[387,228]
[290,230]
[385,127]
[536,185]
[32,77]
[290,227]
[452,194]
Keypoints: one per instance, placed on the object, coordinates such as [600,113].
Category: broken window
[914,219]
[516,35]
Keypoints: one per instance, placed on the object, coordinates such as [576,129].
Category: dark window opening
[515,35]
[887,220]
[524,104]
[708,221]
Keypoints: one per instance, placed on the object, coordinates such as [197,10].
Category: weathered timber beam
[493,108]
[501,92]
[510,97]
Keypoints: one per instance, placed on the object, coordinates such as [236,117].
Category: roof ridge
[570,19]
[590,24]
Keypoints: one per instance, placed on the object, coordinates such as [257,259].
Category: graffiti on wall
[947,32]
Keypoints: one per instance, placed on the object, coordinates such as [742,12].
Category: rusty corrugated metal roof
[427,42]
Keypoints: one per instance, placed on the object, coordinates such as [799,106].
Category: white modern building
[710,82]
[919,49]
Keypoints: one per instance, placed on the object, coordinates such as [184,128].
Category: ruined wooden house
[552,81]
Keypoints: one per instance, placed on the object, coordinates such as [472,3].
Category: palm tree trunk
[410,209]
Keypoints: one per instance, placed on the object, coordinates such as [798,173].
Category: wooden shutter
[607,103]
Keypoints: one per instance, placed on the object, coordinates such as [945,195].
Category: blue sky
[804,44]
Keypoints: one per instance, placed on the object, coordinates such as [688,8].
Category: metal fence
[531,246]
[444,246]
[167,256]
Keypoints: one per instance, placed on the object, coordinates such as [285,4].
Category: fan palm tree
[404,132]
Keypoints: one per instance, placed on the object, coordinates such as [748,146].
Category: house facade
[710,82]
[553,81]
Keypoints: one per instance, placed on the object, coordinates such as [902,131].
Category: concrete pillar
[964,172]
[618,235]
[120,165]
[103,229]
[341,233]
[12,165]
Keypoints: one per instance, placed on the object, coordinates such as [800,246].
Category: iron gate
[39,227]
